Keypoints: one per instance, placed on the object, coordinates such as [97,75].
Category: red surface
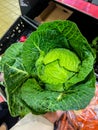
[1,99]
[23,38]
[81,5]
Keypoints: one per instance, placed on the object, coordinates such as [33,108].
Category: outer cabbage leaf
[44,101]
[14,78]
[16,105]
[12,54]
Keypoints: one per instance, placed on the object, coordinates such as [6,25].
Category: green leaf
[14,77]
[11,54]
[16,105]
[45,101]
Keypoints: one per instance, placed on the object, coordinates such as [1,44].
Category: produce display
[52,70]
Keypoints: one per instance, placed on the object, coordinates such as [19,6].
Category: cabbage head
[52,70]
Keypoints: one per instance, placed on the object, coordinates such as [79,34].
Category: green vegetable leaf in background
[52,70]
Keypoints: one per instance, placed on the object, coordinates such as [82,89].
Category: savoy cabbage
[52,70]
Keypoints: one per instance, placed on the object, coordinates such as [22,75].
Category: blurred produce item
[22,38]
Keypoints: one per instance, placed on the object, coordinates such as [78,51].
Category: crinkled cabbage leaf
[52,70]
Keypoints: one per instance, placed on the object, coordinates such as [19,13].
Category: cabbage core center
[57,66]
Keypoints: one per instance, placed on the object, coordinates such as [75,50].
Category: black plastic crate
[25,24]
[21,27]
[87,25]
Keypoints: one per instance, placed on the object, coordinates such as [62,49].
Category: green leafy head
[52,70]
[57,67]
